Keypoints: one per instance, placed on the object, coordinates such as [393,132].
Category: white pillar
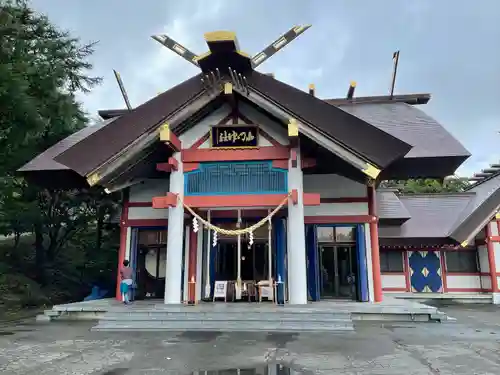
[128,245]
[269,253]
[207,263]
[272,369]
[186,264]
[238,270]
[199,264]
[175,236]
[297,270]
[288,248]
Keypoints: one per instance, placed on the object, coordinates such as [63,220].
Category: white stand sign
[220,289]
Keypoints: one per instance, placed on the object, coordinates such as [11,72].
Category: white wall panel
[463,281]
[494,228]
[145,191]
[337,209]
[496,246]
[482,252]
[199,130]
[275,130]
[145,213]
[333,186]
[393,281]
[486,282]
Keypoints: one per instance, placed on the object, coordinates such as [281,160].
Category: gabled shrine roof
[480,210]
[358,135]
[458,217]
[390,207]
[367,133]
[45,160]
[110,140]
[410,124]
[432,215]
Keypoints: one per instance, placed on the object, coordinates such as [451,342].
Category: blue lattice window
[230,178]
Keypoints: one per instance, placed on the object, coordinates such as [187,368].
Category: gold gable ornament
[165,132]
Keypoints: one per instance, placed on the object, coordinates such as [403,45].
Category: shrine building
[237,186]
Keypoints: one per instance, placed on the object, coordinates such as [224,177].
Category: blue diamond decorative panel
[231,178]
[425,271]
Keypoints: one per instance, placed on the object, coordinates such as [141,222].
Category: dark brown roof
[110,113]
[432,215]
[411,125]
[108,141]
[413,99]
[385,131]
[45,161]
[479,210]
[435,153]
[390,207]
[354,133]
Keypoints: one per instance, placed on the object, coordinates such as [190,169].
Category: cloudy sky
[449,48]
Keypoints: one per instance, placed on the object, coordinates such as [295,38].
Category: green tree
[427,185]
[42,68]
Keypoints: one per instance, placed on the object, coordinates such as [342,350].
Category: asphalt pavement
[468,346]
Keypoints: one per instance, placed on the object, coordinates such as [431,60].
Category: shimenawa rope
[234,232]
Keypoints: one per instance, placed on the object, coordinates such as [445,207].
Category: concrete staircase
[256,319]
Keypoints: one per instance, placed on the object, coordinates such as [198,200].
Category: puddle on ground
[280,339]
[116,371]
[267,369]
[17,330]
[201,337]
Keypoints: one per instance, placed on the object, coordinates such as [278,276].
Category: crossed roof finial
[224,50]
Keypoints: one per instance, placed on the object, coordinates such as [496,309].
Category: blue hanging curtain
[134,239]
[362,266]
[280,245]
[312,262]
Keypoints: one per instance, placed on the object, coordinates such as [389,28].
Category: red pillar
[193,248]
[123,242]
[372,210]
[491,259]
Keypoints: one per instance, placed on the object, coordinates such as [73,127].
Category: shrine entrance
[253,261]
[244,264]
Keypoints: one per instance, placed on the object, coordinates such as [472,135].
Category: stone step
[52,313]
[298,326]
[249,316]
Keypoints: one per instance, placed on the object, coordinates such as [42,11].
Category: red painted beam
[375,250]
[492,239]
[188,167]
[308,163]
[123,243]
[175,143]
[260,153]
[257,200]
[170,200]
[293,157]
[305,163]
[171,165]
[322,200]
[491,258]
[339,219]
